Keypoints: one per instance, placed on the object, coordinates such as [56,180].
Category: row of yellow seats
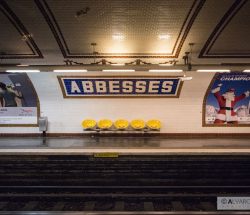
[121,124]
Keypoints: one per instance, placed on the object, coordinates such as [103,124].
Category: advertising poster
[227,101]
[19,104]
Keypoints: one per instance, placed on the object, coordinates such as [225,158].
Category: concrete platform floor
[124,145]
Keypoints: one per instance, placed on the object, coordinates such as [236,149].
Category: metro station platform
[123,145]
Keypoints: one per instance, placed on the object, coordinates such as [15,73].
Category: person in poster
[9,96]
[228,100]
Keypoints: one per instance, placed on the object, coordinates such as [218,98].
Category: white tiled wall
[178,115]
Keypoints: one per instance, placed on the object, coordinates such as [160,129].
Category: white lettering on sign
[114,87]
[74,87]
[153,86]
[101,87]
[140,86]
[87,86]
[167,86]
[127,86]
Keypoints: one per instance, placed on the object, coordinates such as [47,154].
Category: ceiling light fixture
[213,70]
[118,70]
[118,37]
[163,36]
[246,70]
[20,71]
[165,70]
[26,37]
[70,70]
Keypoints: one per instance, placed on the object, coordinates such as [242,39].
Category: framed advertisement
[19,103]
[227,101]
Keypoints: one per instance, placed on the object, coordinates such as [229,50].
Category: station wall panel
[178,115]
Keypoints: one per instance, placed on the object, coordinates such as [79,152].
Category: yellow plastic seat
[88,124]
[105,124]
[154,124]
[137,124]
[121,124]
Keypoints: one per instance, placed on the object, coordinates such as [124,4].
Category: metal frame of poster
[120,87]
[19,103]
[227,101]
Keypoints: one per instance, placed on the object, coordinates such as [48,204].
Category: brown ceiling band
[223,23]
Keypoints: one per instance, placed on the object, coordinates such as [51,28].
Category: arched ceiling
[39,32]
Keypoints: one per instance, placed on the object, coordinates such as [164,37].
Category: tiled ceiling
[50,31]
[120,27]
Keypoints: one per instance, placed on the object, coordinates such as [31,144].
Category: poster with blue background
[19,104]
[227,101]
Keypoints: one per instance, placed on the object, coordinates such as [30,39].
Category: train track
[127,185]
[134,200]
[122,213]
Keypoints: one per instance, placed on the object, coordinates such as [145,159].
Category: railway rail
[124,185]
[122,213]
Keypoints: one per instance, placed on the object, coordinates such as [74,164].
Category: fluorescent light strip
[246,70]
[70,70]
[165,70]
[22,71]
[118,70]
[213,70]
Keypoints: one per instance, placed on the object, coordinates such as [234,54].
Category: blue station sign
[84,87]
